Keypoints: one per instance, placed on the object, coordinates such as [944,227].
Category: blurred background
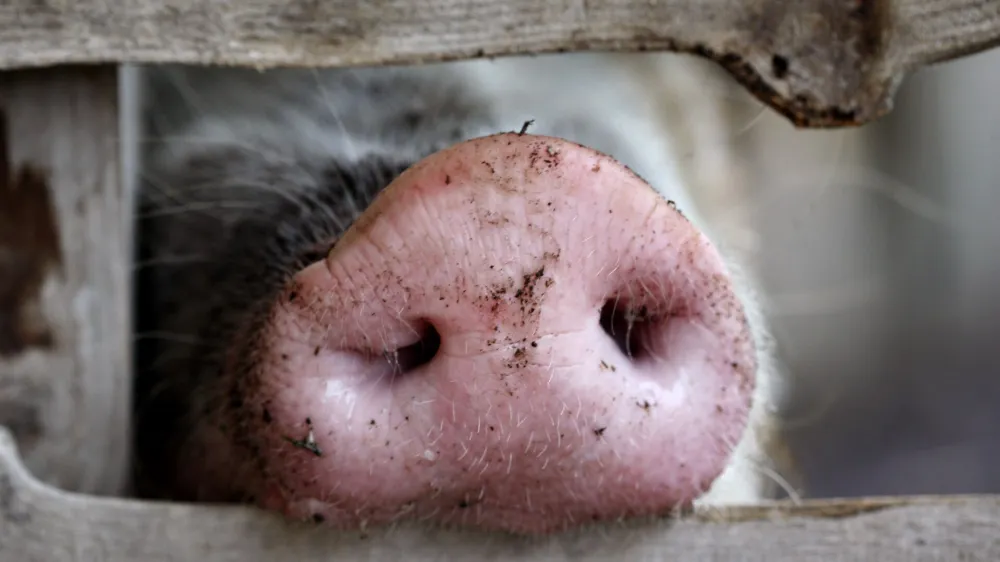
[880,249]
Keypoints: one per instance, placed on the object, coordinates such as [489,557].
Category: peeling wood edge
[735,65]
[859,60]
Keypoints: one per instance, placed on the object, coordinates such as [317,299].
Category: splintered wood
[819,63]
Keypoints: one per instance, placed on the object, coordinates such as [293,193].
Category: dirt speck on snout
[308,442]
[517,302]
[514,305]
[544,157]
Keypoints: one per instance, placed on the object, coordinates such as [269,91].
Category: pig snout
[518,334]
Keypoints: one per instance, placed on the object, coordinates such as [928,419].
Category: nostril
[628,325]
[408,358]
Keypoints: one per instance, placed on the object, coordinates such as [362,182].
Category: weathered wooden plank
[817,62]
[40,523]
[64,276]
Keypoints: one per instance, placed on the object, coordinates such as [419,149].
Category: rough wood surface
[64,276]
[40,523]
[819,63]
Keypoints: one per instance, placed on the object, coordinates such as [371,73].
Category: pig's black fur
[222,227]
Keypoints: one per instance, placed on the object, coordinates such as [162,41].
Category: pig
[480,294]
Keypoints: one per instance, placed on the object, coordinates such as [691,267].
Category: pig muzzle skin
[518,334]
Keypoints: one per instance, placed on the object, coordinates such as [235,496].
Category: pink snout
[518,334]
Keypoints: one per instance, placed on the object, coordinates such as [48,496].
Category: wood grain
[65,239]
[819,63]
[40,523]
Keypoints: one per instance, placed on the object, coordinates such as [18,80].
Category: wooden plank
[40,523]
[64,276]
[819,63]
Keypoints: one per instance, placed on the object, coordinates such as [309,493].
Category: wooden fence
[65,252]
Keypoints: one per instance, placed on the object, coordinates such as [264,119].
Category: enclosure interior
[876,248]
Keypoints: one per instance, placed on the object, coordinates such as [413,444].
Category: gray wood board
[65,267]
[41,523]
[819,63]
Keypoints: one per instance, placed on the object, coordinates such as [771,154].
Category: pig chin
[518,334]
